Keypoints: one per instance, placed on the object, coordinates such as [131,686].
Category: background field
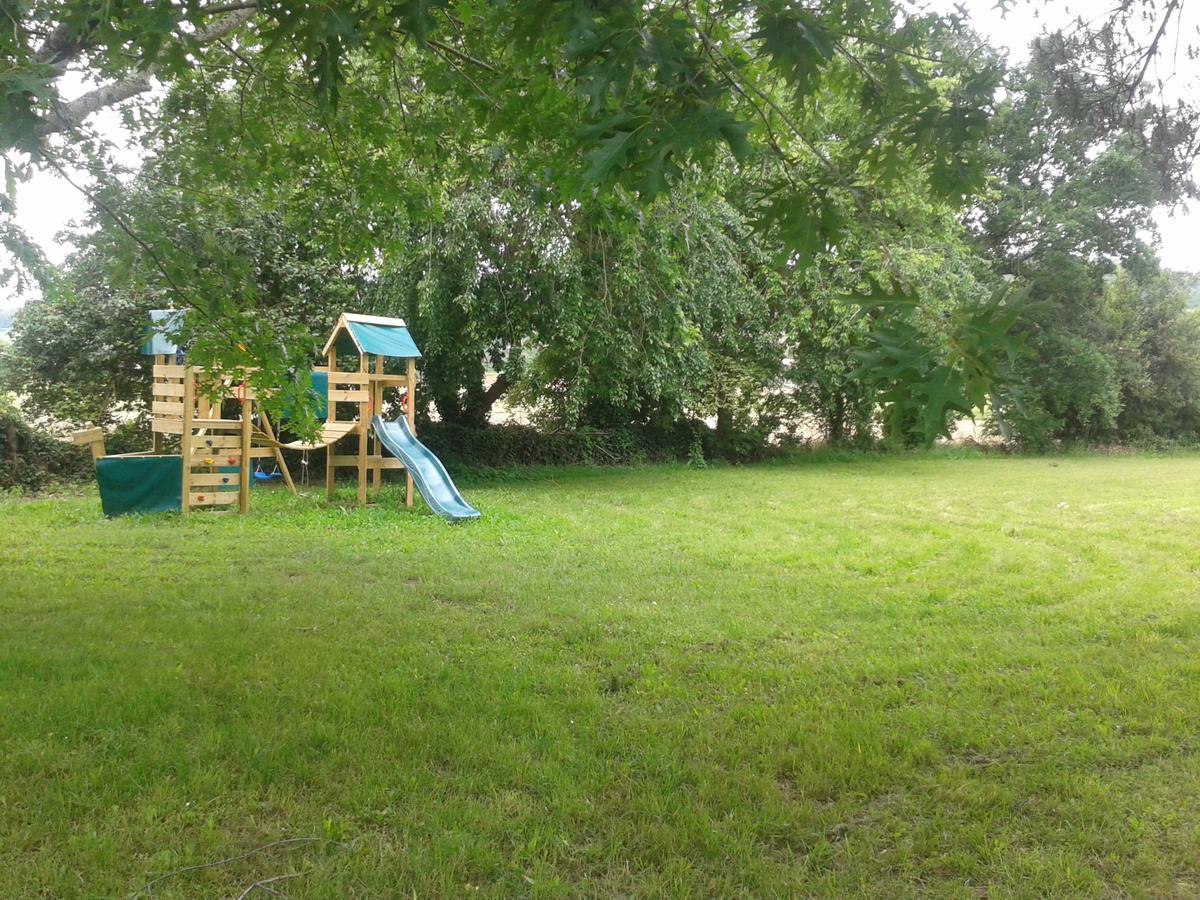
[898,676]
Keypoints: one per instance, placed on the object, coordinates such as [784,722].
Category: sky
[46,204]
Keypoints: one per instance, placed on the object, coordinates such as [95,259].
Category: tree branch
[216,8]
[465,57]
[263,885]
[95,198]
[1152,50]
[66,116]
[60,46]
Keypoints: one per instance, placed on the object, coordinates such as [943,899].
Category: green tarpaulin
[385,340]
[139,484]
[319,391]
[166,321]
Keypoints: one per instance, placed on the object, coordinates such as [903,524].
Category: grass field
[899,676]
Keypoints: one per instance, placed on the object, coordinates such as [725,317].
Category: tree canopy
[628,211]
[602,94]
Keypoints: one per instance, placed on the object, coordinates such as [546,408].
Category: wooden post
[204,404]
[157,436]
[265,424]
[364,423]
[185,438]
[411,413]
[377,409]
[331,416]
[244,469]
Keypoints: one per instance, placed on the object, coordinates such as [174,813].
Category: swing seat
[261,476]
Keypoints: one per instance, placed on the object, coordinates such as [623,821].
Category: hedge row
[504,446]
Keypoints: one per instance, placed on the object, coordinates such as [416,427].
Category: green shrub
[30,459]
[131,437]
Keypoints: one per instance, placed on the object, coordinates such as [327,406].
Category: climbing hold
[208,460]
[224,481]
[209,442]
[200,498]
[233,460]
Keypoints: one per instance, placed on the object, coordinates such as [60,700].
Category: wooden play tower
[371,340]
[223,433]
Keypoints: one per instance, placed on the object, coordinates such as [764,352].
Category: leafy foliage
[1131,373]
[927,373]
[1068,219]
[30,459]
[620,214]
[619,93]
[74,353]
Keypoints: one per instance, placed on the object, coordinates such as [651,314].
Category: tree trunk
[470,408]
[449,407]
[724,431]
[477,403]
[835,424]
[498,389]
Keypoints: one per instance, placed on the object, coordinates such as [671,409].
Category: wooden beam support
[228,456]
[166,408]
[390,380]
[265,424]
[161,387]
[213,479]
[364,423]
[231,425]
[167,389]
[93,438]
[331,416]
[185,435]
[377,410]
[244,466]
[211,497]
[162,426]
[346,461]
[411,413]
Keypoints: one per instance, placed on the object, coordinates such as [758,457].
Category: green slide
[428,473]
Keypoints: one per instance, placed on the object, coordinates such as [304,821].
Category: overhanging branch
[66,116]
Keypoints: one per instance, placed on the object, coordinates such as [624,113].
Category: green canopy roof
[386,340]
[373,334]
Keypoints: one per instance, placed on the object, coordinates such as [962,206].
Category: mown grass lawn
[899,676]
